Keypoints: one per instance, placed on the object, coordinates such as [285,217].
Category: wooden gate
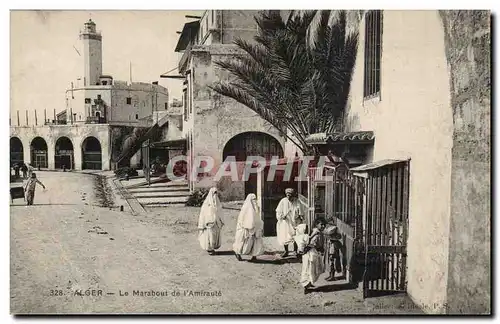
[344,208]
[385,226]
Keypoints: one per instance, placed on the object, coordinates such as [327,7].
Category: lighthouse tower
[92,53]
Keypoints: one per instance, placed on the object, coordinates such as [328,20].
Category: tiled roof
[324,138]
[376,165]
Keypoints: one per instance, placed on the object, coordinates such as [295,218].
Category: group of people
[27,170]
[291,229]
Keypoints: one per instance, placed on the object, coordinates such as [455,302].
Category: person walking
[289,214]
[30,188]
[210,223]
[249,229]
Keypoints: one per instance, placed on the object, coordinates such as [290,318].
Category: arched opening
[252,143]
[91,154]
[39,156]
[98,114]
[16,151]
[257,144]
[64,156]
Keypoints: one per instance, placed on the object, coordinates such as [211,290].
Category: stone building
[101,116]
[421,84]
[214,125]
[100,98]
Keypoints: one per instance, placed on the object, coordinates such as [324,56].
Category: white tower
[92,53]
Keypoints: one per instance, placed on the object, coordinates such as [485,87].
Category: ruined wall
[217,118]
[76,133]
[411,118]
[468,49]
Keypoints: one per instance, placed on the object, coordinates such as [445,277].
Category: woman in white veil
[249,230]
[210,223]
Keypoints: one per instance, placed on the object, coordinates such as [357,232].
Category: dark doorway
[91,154]
[39,156]
[16,151]
[252,144]
[64,156]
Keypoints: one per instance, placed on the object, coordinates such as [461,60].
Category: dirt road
[68,255]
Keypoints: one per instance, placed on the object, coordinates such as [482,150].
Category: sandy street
[68,255]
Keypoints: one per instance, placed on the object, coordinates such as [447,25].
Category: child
[301,238]
[335,248]
[29,188]
[312,260]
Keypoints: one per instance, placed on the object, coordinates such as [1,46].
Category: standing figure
[289,213]
[16,170]
[301,238]
[249,229]
[30,170]
[30,188]
[210,223]
[312,260]
[335,252]
[24,169]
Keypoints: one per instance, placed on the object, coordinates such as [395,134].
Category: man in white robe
[290,214]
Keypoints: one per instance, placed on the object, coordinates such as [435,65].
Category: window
[213,17]
[136,116]
[104,82]
[129,101]
[166,105]
[98,97]
[184,97]
[373,46]
[87,100]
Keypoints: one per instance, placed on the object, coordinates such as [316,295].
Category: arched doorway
[16,151]
[64,157]
[39,156]
[258,144]
[91,154]
[252,144]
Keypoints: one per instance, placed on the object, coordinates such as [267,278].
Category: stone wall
[468,50]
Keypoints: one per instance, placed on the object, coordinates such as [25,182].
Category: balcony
[184,61]
[95,120]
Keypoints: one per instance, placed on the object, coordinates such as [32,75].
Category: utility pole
[36,119]
[18,121]
[27,118]
[44,115]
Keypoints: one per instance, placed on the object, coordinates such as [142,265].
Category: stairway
[161,194]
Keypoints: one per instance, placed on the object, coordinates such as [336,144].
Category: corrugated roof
[376,165]
[325,138]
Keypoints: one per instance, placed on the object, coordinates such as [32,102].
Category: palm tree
[296,75]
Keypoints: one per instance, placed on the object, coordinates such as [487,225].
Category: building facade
[214,125]
[421,84]
[101,99]
[101,115]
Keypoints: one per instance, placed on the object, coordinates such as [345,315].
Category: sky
[44,58]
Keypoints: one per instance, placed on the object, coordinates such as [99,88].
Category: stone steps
[169,189]
[150,201]
[161,194]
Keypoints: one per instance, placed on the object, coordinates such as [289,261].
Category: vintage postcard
[263,162]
